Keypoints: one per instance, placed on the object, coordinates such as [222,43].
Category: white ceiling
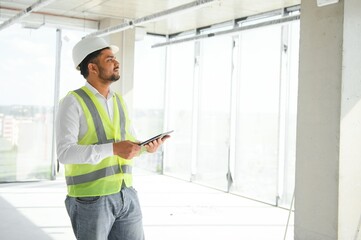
[87,14]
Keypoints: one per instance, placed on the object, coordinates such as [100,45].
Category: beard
[113,77]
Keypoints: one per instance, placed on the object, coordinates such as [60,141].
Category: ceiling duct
[39,4]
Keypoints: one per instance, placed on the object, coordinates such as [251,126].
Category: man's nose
[116,62]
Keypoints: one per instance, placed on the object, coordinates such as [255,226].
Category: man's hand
[153,146]
[126,149]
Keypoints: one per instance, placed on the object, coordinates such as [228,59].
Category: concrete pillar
[350,132]
[328,157]
[125,40]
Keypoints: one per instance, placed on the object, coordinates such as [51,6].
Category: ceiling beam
[52,20]
[229,31]
[39,4]
[153,17]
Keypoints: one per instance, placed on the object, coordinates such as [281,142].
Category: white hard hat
[87,46]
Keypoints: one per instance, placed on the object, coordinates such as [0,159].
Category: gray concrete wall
[318,122]
[350,137]
[328,158]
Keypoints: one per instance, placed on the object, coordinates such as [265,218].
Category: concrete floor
[172,209]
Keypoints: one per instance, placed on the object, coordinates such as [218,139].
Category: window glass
[26,102]
[213,120]
[178,153]
[148,101]
[257,117]
[70,78]
[291,89]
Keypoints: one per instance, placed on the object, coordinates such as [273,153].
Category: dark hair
[89,59]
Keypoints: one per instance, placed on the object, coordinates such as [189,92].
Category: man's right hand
[126,149]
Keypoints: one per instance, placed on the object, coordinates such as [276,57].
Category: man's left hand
[154,145]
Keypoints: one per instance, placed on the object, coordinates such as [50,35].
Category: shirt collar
[96,92]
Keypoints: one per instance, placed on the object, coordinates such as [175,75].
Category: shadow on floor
[15,226]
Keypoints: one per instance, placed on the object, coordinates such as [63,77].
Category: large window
[31,83]
[148,102]
[26,103]
[70,78]
[213,124]
[257,119]
[180,107]
[232,101]
[289,114]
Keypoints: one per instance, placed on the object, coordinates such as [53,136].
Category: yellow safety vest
[107,176]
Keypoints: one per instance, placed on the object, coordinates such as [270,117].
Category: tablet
[155,138]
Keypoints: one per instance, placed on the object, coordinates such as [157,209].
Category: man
[96,144]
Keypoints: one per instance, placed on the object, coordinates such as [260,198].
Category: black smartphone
[155,138]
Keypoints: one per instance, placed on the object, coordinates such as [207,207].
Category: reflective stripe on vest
[121,116]
[92,176]
[102,138]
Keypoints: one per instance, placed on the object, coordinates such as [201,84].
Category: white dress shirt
[71,126]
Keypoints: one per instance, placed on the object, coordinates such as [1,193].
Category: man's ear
[92,68]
